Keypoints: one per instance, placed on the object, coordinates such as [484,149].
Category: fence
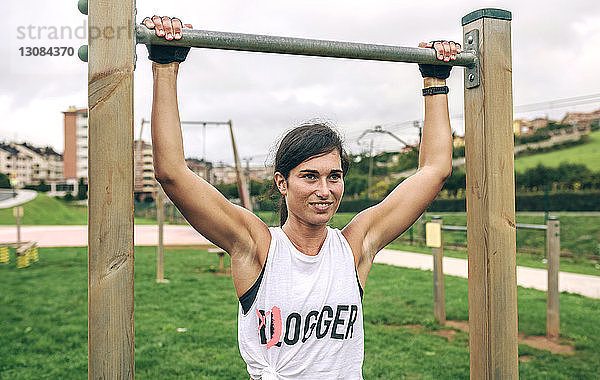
[552,228]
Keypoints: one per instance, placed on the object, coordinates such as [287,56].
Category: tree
[355,184]
[82,189]
[4,181]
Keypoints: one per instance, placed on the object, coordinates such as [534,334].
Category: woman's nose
[323,189]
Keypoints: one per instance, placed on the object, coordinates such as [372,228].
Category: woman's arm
[375,227]
[238,231]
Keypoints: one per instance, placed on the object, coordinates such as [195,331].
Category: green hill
[587,154]
[45,210]
[48,211]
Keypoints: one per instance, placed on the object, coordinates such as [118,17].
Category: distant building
[30,165]
[75,156]
[528,127]
[13,163]
[582,120]
[44,164]
[202,168]
[223,173]
[144,184]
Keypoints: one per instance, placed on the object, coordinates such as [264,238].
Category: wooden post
[110,230]
[160,217]
[439,304]
[243,190]
[491,239]
[553,257]
[18,212]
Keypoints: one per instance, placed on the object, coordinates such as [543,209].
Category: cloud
[265,94]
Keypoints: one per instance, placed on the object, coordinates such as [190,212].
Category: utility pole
[247,175]
[376,129]
[369,181]
[418,124]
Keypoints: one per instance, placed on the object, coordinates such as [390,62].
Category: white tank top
[306,321]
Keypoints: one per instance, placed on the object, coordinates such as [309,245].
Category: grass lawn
[580,234]
[44,323]
[586,154]
[580,239]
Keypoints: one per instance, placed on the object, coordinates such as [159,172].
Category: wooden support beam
[553,257]
[110,231]
[160,218]
[491,240]
[439,301]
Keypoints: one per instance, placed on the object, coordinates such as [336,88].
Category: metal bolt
[471,77]
[470,40]
[83,53]
[83,6]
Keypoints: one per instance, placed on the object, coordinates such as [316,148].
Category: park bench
[221,254]
[26,253]
[4,253]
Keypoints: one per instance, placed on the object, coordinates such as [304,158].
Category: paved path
[7,199]
[76,236]
[585,285]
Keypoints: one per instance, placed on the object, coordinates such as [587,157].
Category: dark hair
[300,144]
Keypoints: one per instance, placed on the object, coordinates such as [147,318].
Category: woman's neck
[307,239]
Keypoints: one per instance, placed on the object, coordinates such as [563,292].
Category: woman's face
[313,189]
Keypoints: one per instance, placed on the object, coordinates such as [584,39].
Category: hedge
[559,201]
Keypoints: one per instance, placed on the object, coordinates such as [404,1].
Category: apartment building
[582,120]
[144,184]
[45,164]
[75,156]
[30,165]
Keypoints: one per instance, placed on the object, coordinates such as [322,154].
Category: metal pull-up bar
[301,46]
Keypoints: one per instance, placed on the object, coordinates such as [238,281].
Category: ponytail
[283,213]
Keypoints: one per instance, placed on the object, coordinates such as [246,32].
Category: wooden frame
[491,228]
[110,231]
[490,184]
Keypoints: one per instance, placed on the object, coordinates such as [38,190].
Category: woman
[300,285]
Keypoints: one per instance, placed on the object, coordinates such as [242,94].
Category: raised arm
[238,231]
[375,227]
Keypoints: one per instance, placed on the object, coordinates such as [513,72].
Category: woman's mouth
[321,206]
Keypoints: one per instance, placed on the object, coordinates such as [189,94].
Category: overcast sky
[555,55]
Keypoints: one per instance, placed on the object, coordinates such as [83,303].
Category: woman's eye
[335,177]
[309,176]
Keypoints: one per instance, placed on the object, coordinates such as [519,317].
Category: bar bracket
[471,43]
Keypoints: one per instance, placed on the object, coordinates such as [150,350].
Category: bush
[458,151]
[558,201]
[82,189]
[42,187]
[4,181]
[356,205]
[567,144]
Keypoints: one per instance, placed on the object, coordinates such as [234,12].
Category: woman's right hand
[170,29]
[165,26]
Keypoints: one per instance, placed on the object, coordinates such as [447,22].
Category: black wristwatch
[435,90]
